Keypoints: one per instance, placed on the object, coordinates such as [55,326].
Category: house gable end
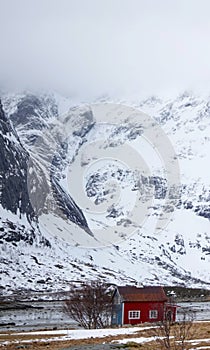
[117,308]
[117,298]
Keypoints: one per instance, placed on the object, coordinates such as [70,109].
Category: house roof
[132,293]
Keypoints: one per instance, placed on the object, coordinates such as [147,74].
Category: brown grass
[201,330]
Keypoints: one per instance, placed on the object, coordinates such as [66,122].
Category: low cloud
[89,48]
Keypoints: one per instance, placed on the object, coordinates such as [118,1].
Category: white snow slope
[143,225]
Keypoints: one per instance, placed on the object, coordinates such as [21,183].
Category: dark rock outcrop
[13,171]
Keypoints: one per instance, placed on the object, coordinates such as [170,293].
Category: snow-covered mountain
[116,189]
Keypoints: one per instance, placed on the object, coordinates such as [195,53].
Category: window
[134,314]
[153,314]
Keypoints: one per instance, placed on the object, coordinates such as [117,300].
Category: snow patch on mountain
[74,195]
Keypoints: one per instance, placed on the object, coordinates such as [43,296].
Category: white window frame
[134,314]
[153,314]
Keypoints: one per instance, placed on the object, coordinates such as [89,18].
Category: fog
[117,47]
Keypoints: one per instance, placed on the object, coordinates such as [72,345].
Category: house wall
[144,308]
[117,307]
[116,315]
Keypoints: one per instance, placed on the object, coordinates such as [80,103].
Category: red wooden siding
[132,305]
[144,308]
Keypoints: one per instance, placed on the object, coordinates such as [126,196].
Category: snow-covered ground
[68,335]
[88,333]
[63,335]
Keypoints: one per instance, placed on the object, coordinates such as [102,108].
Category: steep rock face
[37,122]
[18,222]
[32,113]
[13,171]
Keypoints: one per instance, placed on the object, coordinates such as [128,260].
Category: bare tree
[174,335]
[184,330]
[90,305]
[162,333]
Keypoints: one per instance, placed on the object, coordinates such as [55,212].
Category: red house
[134,305]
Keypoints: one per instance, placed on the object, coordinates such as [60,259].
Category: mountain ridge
[178,255]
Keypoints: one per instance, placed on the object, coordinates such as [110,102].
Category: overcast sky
[93,47]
